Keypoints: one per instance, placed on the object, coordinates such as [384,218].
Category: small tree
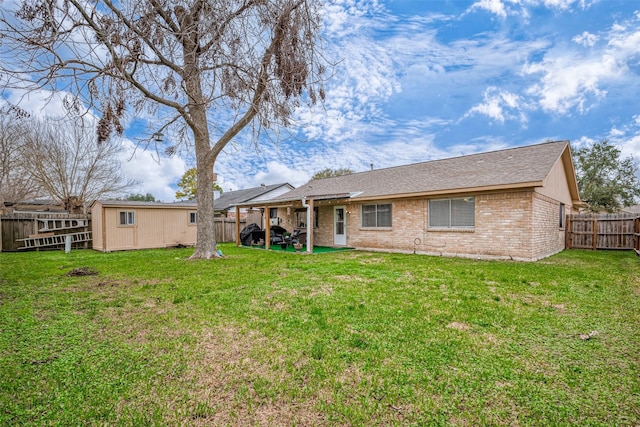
[328,173]
[606,181]
[15,183]
[64,159]
[189,185]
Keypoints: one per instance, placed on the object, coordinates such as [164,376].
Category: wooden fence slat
[16,226]
[603,231]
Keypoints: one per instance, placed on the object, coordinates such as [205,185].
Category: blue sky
[421,80]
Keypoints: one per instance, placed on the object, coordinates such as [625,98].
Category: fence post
[636,236]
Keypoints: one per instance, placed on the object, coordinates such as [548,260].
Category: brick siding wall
[548,238]
[502,229]
[520,225]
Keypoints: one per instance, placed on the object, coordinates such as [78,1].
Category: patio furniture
[251,234]
[299,236]
[277,235]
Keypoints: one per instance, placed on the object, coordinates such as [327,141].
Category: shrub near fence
[603,231]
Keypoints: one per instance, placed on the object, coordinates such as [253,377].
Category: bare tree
[206,68]
[15,184]
[62,157]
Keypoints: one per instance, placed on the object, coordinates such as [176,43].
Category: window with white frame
[300,218]
[378,215]
[452,213]
[561,215]
[126,218]
[193,218]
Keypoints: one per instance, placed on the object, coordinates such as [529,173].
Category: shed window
[127,218]
[376,215]
[193,217]
[452,213]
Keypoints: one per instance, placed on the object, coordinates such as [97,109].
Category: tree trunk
[206,239]
[206,245]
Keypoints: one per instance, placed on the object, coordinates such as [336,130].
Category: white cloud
[570,82]
[627,137]
[571,79]
[496,7]
[157,176]
[586,39]
[365,73]
[499,105]
[560,4]
[624,43]
[502,8]
[40,102]
[277,173]
[630,147]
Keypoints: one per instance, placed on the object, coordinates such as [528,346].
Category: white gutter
[309,228]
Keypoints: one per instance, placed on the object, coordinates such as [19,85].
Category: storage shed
[124,225]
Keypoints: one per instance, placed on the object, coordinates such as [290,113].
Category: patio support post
[267,228]
[237,226]
[310,222]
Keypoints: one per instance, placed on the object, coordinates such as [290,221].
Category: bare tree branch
[222,66]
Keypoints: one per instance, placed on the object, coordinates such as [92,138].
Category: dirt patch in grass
[82,271]
[236,380]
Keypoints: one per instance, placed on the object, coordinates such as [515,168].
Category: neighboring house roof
[230,199]
[152,205]
[632,209]
[38,205]
[522,167]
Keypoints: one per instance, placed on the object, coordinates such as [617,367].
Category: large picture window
[452,213]
[376,215]
[126,218]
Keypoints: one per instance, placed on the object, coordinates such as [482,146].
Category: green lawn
[345,338]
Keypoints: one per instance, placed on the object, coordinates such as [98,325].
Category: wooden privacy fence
[42,230]
[603,231]
[225,229]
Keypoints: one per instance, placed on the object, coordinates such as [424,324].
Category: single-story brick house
[507,204]
[123,225]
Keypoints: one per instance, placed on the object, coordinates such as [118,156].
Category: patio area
[290,248]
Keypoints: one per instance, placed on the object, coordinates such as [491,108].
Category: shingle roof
[132,203]
[515,167]
[233,198]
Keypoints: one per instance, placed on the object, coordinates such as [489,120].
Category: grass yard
[345,338]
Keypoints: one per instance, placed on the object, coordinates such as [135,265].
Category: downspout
[309,227]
